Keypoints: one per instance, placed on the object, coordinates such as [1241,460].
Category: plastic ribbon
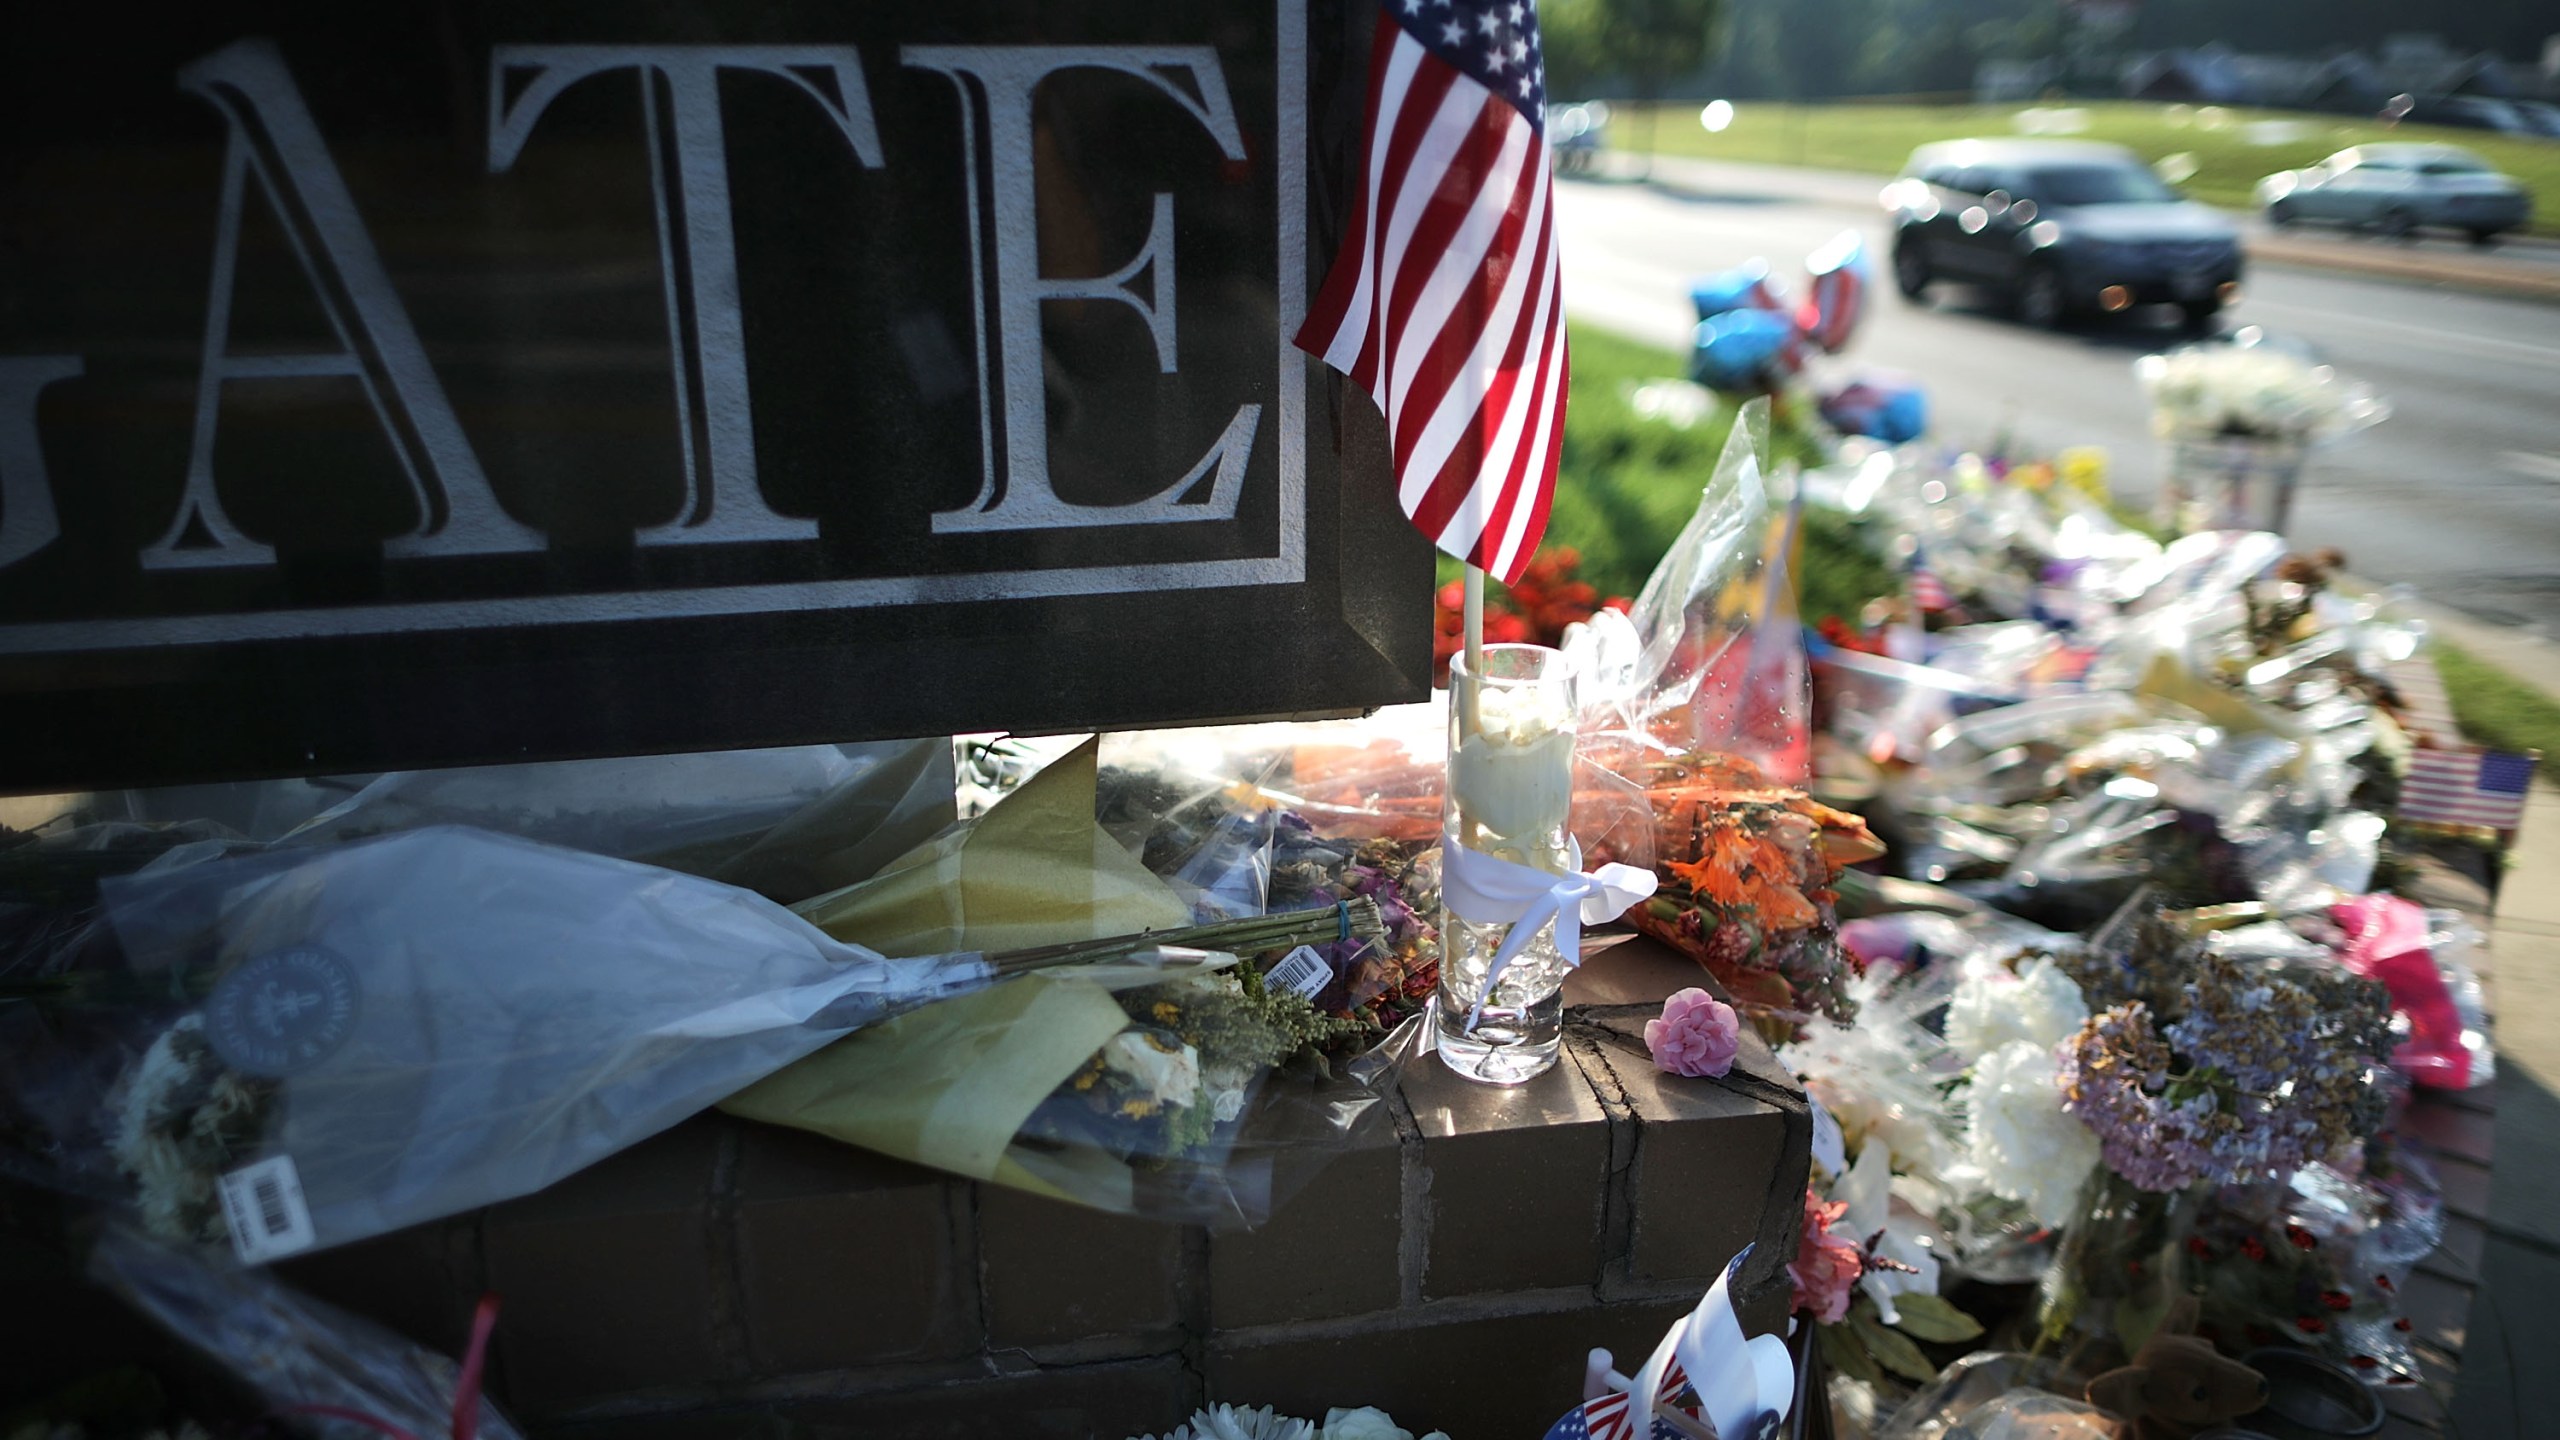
[1483,890]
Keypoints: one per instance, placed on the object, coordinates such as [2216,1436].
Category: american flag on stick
[1444,302]
[2466,786]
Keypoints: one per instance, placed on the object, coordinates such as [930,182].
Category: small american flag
[1445,301]
[1613,1416]
[2466,786]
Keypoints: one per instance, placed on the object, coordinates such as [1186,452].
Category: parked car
[2063,226]
[2542,115]
[1577,134]
[2398,188]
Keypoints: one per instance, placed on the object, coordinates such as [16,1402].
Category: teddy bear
[2177,1384]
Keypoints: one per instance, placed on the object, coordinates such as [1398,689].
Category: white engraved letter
[689,178]
[272,137]
[1016,494]
[28,522]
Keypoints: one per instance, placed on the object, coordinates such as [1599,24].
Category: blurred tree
[1647,43]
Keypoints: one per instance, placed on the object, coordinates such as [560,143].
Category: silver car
[2396,189]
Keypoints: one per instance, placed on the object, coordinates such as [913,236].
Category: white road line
[2421,334]
[2535,466]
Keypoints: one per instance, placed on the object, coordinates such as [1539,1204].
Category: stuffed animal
[2177,1384]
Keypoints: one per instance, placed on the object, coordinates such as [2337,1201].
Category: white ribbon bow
[1486,891]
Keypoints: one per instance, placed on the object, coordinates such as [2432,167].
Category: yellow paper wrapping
[1035,870]
[2169,677]
[950,1084]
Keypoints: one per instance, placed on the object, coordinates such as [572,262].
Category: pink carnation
[1698,1034]
[1826,1266]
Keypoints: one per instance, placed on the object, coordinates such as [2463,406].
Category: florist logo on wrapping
[283,1012]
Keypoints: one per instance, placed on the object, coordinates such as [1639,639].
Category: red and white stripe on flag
[2466,786]
[1445,301]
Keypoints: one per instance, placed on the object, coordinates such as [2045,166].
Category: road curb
[2426,269]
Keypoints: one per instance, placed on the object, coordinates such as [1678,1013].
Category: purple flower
[1698,1035]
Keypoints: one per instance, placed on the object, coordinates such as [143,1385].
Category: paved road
[2458,493]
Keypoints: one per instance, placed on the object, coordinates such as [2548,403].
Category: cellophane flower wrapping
[1194,1095]
[2317,1260]
[787,822]
[419,1024]
[1181,1088]
[287,1348]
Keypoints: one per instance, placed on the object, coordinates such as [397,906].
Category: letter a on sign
[273,138]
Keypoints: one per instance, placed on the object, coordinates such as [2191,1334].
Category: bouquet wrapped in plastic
[300,1048]
[1161,1080]
[788,822]
[1196,1092]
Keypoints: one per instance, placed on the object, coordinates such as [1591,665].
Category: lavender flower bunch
[2262,1074]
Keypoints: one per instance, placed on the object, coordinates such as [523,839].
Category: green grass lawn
[1626,484]
[2493,707]
[2230,149]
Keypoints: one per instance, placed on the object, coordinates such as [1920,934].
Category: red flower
[2337,1299]
[2199,1249]
[2133,1267]
[2364,1362]
[2383,1283]
[2310,1324]
[2302,1239]
[2253,1247]
[2402,1324]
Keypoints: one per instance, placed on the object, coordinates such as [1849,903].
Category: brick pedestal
[733,1279]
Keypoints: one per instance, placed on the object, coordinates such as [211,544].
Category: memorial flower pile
[1748,870]
[2256,1076]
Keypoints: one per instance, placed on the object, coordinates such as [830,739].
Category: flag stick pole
[1472,627]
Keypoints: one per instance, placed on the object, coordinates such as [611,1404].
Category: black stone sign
[408,384]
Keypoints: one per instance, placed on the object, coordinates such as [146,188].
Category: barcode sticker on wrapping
[1302,970]
[263,1204]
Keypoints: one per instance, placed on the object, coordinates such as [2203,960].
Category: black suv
[2063,226]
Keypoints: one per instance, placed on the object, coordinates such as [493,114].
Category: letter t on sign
[689,177]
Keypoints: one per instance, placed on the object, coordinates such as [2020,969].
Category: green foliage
[1931,1318]
[1646,42]
[1840,566]
[2493,707]
[1841,1350]
[1891,1348]
[1626,484]
[1877,138]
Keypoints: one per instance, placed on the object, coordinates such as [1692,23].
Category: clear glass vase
[1510,794]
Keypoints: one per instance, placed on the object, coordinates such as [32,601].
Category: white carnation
[1992,1008]
[2018,1135]
[1168,1076]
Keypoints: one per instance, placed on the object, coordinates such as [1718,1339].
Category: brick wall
[733,1279]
